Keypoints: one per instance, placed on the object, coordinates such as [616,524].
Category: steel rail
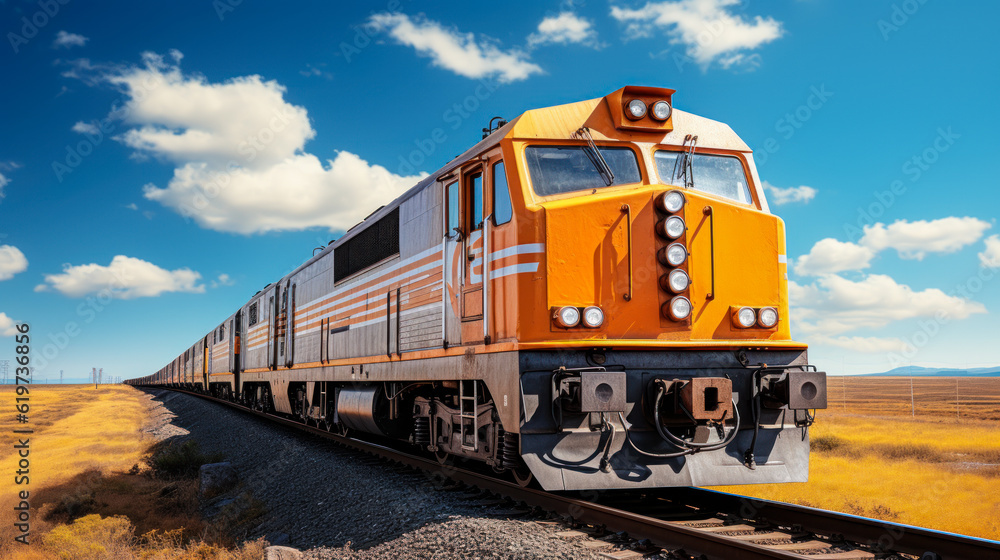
[883,535]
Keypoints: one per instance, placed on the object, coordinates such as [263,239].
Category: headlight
[671,201]
[660,110]
[672,255]
[678,308]
[746,317]
[677,281]
[593,317]
[635,109]
[671,228]
[567,317]
[768,317]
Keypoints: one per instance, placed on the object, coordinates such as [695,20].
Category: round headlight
[671,201]
[660,110]
[567,317]
[768,317]
[635,109]
[672,255]
[678,308]
[676,281]
[671,228]
[746,317]
[593,317]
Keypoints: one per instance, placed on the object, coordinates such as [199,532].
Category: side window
[453,209]
[502,210]
[252,319]
[476,202]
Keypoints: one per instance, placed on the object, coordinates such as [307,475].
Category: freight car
[593,296]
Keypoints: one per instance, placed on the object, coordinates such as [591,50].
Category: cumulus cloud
[69,40]
[833,305]
[12,261]
[708,30]
[223,280]
[462,53]
[4,181]
[124,278]
[8,326]
[239,152]
[829,256]
[564,29]
[86,128]
[779,195]
[863,344]
[990,258]
[913,240]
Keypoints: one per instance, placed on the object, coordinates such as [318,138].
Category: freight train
[594,296]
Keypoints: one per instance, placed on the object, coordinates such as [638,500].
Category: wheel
[522,476]
[442,457]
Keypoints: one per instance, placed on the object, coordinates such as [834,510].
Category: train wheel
[443,457]
[522,476]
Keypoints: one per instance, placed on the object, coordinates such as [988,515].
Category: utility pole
[4,368]
[60,377]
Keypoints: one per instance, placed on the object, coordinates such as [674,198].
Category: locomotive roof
[559,122]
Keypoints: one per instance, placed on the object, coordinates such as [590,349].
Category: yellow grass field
[939,468]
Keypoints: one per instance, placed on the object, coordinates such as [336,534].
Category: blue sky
[163,161]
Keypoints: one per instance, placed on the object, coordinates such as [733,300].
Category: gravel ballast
[336,503]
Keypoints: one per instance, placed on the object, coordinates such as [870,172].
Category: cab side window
[502,209]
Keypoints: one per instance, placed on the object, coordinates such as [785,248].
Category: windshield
[561,169]
[721,175]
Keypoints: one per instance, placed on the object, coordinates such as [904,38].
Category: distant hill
[917,371]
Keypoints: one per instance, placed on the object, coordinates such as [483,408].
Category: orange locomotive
[593,296]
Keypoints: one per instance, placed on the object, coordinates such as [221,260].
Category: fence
[960,398]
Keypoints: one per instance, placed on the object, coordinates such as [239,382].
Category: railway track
[696,523]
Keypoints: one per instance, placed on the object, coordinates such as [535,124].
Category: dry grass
[931,471]
[959,398]
[101,490]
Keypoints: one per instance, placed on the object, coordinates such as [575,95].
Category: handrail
[627,210]
[711,237]
[486,279]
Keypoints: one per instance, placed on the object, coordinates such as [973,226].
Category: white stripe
[514,269]
[366,278]
[526,249]
[782,259]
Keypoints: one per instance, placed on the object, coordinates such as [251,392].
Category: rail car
[593,296]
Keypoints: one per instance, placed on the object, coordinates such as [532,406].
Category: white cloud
[86,128]
[8,327]
[223,280]
[564,29]
[990,258]
[132,206]
[69,40]
[862,344]
[4,181]
[462,53]
[913,240]
[781,196]
[833,305]
[829,255]
[238,148]
[12,261]
[124,278]
[707,29]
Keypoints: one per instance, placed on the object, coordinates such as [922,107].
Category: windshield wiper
[684,162]
[596,158]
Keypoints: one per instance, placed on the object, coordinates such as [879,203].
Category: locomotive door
[280,301]
[472,260]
